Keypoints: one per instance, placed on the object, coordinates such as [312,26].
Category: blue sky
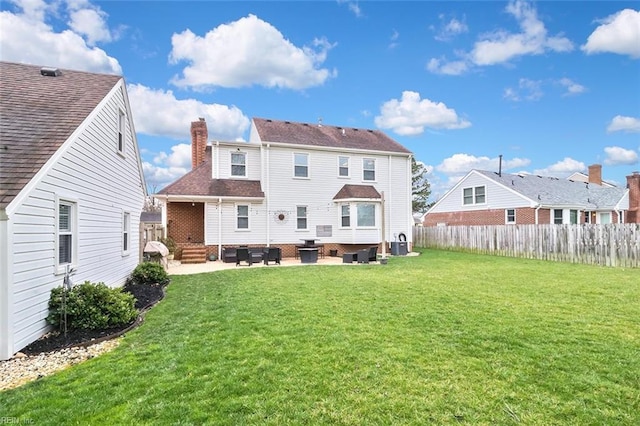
[552,86]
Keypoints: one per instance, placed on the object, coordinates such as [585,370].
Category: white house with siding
[344,187]
[71,190]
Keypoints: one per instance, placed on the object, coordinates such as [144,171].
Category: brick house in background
[291,182]
[490,198]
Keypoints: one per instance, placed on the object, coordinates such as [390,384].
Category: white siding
[497,196]
[104,184]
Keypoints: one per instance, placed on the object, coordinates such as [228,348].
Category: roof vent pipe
[500,165]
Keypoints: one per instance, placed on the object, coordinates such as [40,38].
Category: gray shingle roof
[325,136]
[551,191]
[38,114]
[357,191]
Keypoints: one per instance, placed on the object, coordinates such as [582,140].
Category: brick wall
[483,217]
[185,223]
[633,183]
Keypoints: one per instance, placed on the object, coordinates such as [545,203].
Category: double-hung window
[242,216]
[66,232]
[474,195]
[300,165]
[343,166]
[366,215]
[573,217]
[301,217]
[126,232]
[239,164]
[121,131]
[557,216]
[345,216]
[510,216]
[369,169]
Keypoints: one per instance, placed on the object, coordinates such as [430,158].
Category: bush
[170,244]
[149,273]
[91,307]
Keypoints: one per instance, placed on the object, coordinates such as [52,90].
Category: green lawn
[443,338]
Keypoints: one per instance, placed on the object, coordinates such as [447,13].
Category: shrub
[149,273]
[170,243]
[91,307]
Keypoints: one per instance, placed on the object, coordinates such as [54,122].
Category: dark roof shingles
[38,114]
[357,191]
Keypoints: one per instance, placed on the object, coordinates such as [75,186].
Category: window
[366,215]
[605,218]
[126,234]
[345,214]
[368,169]
[557,216]
[301,165]
[475,195]
[239,164]
[573,217]
[511,216]
[121,131]
[242,217]
[301,217]
[587,217]
[66,232]
[343,166]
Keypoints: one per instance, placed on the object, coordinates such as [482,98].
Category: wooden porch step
[194,254]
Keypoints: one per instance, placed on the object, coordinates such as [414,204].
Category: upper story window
[573,217]
[368,169]
[66,232]
[343,166]
[121,131]
[239,164]
[345,216]
[301,165]
[475,195]
[510,216]
[301,217]
[242,216]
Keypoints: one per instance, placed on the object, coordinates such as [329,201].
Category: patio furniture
[308,255]
[349,257]
[272,254]
[243,255]
[363,256]
[373,254]
[228,254]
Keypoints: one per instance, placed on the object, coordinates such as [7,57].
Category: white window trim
[506,217]
[348,175]
[375,172]
[61,267]
[231,164]
[126,233]
[306,217]
[474,195]
[306,154]
[340,216]
[375,216]
[121,137]
[248,228]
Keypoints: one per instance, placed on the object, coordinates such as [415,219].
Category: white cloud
[572,87]
[410,115]
[180,156]
[26,38]
[442,66]
[159,113]
[619,33]
[501,46]
[530,90]
[460,164]
[393,43]
[620,123]
[248,52]
[450,29]
[562,168]
[89,21]
[620,156]
[159,177]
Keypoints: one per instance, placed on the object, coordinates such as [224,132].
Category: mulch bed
[146,296]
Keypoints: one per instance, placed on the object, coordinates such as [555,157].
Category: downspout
[219,227]
[267,187]
[536,214]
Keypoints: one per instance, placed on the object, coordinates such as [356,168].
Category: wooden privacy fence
[606,245]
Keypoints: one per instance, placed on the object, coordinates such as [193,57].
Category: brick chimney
[633,183]
[595,174]
[199,137]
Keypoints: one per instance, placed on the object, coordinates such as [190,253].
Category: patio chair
[228,254]
[243,255]
[373,254]
[272,254]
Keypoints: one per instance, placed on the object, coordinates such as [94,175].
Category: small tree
[420,187]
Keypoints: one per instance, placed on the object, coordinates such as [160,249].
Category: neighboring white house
[71,190]
[489,198]
[292,182]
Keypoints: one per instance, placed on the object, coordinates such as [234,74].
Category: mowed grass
[443,338]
